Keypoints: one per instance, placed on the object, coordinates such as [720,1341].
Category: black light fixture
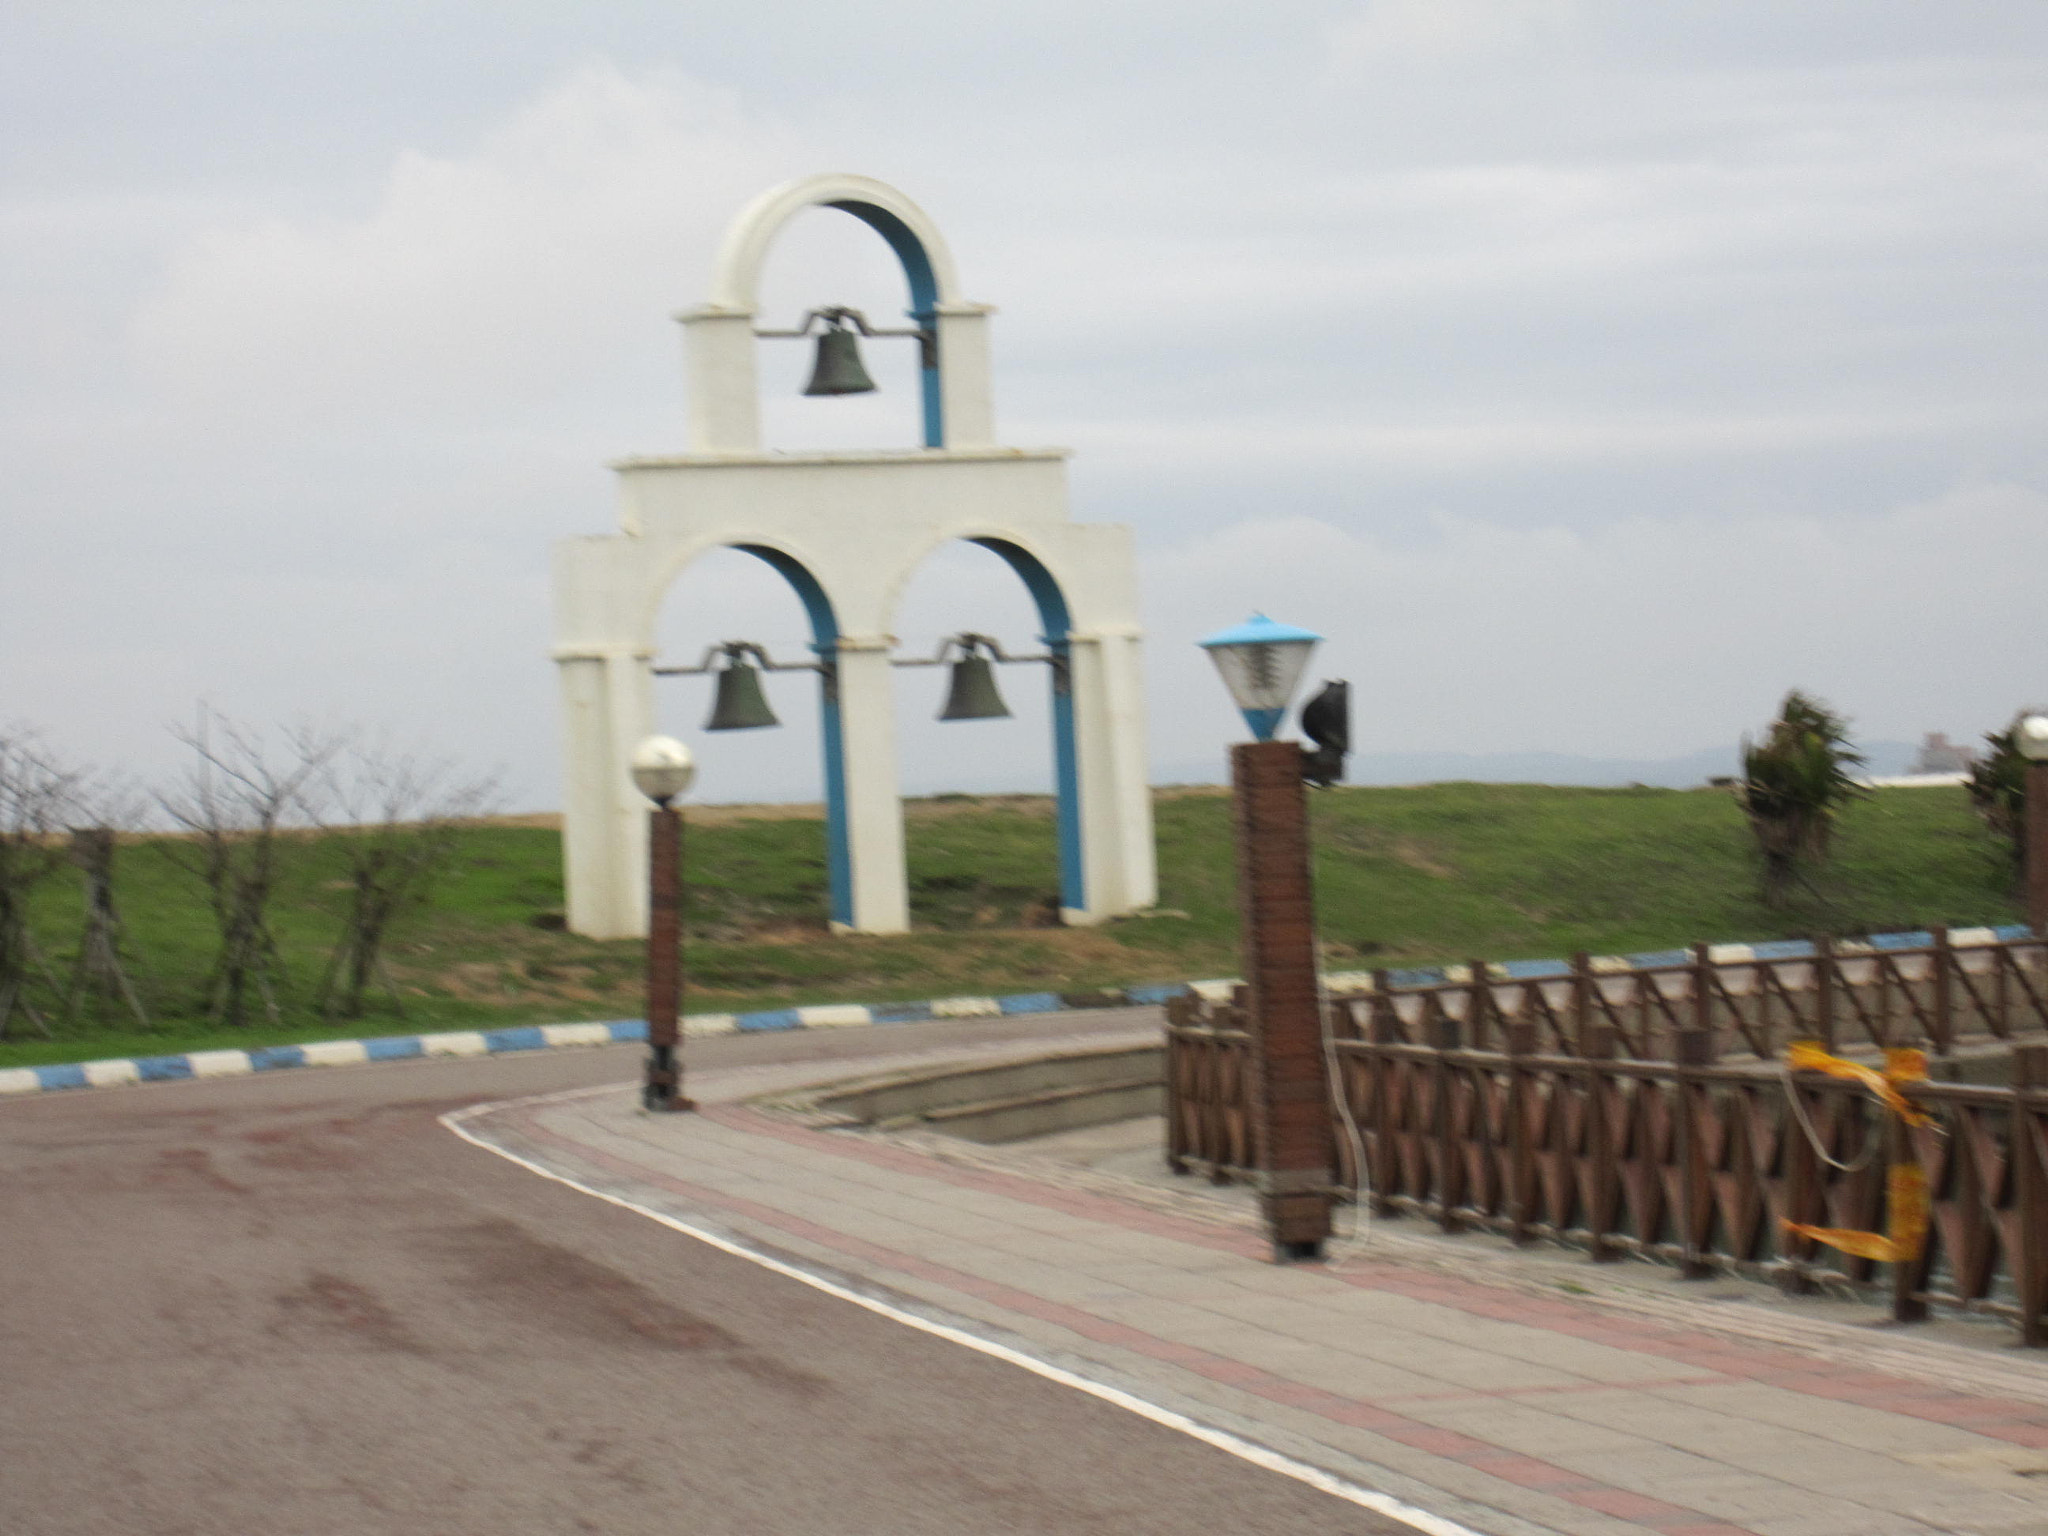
[837,369]
[1326,721]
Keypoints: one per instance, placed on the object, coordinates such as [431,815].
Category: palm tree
[1998,792]
[1794,782]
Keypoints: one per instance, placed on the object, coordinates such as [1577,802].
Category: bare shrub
[240,793]
[395,818]
[38,796]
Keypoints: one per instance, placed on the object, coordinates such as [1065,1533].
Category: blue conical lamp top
[1261,662]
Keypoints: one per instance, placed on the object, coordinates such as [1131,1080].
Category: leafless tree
[396,819]
[37,797]
[240,793]
[100,977]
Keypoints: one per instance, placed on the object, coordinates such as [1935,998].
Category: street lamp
[2030,733]
[1293,1145]
[663,771]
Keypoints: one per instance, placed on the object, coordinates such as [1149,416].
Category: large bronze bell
[972,694]
[739,704]
[838,369]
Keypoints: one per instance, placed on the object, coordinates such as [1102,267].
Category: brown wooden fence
[1645,1113]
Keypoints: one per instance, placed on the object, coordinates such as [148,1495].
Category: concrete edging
[545,1037]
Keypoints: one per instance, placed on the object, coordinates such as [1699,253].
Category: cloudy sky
[1589,371]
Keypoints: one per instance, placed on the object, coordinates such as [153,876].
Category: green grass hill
[1404,876]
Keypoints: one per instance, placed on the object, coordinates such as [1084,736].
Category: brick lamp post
[663,771]
[1293,1144]
[2031,732]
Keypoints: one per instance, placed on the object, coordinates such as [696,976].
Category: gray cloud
[1588,373]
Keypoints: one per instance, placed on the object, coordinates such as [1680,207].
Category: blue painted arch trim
[825,642]
[924,301]
[1053,615]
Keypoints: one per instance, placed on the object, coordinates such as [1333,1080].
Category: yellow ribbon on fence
[1905,1181]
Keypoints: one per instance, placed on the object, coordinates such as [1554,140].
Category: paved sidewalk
[1511,1411]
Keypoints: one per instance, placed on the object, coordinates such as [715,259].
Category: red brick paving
[1726,1359]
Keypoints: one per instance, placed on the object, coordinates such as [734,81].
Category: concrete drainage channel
[996,1102]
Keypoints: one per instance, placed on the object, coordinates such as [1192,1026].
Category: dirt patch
[578,1295]
[1416,856]
[329,1306]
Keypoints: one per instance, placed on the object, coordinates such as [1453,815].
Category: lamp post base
[2034,855]
[661,1090]
[1298,1223]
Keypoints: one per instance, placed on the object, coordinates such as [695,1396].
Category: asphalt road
[295,1304]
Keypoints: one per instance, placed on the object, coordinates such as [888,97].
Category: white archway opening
[726,594]
[826,256]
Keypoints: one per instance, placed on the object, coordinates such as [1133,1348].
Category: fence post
[1602,1197]
[1909,1276]
[1804,1200]
[1479,1007]
[1824,991]
[1703,989]
[1582,999]
[1450,1159]
[1692,1049]
[1179,1011]
[1382,1022]
[2029,1193]
[1522,1102]
[1943,1001]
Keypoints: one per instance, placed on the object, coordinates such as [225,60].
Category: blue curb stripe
[525,1037]
[274,1058]
[772,1018]
[162,1069]
[901,1013]
[1653,959]
[628,1029]
[67,1075]
[1416,976]
[393,1048]
[1537,970]
[1152,996]
[1030,1002]
[1783,949]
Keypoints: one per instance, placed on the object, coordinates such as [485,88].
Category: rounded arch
[927,263]
[909,231]
[1031,566]
[1055,620]
[824,622]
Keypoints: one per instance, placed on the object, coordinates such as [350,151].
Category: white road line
[1235,1445]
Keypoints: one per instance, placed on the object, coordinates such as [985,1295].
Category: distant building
[1940,755]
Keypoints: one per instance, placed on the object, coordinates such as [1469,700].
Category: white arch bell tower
[847,529]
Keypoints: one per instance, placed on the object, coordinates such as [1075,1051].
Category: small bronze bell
[838,369]
[972,694]
[739,704]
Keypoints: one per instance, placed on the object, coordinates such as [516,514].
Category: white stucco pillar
[874,802]
[607,707]
[725,407]
[1116,804]
[1123,703]
[964,388]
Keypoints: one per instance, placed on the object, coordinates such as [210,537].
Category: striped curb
[546,1037]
